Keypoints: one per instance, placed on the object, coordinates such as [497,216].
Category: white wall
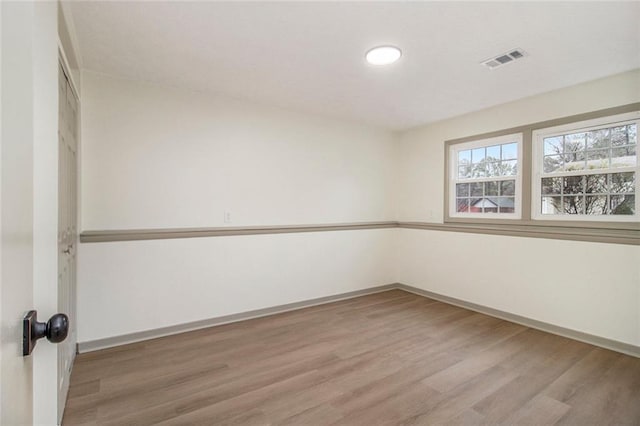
[155,157]
[158,157]
[589,287]
[421,157]
[140,285]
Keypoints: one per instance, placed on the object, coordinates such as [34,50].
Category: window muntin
[485,178]
[587,170]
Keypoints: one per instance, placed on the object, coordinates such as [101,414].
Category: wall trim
[168,233]
[597,235]
[591,339]
[573,233]
[603,342]
[109,342]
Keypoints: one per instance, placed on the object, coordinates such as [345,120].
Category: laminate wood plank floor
[391,358]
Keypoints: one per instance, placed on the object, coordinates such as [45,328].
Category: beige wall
[160,157]
[135,286]
[421,157]
[156,157]
[590,287]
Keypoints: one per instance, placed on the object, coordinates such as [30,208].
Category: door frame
[72,313]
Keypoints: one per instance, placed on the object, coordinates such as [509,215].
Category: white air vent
[505,58]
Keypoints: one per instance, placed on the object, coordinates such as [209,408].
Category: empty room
[319,213]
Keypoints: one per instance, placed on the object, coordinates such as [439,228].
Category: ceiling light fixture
[383,55]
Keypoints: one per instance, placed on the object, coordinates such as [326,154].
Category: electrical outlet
[227,216]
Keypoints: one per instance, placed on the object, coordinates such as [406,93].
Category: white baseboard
[603,342]
[109,342]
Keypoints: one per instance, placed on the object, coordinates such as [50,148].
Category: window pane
[464,157]
[573,204]
[464,172]
[476,189]
[623,204]
[551,205]
[619,136]
[488,205]
[574,142]
[623,182]
[553,185]
[596,204]
[574,160]
[620,185]
[479,170]
[506,205]
[600,151]
[632,129]
[553,145]
[509,151]
[598,159]
[477,155]
[507,187]
[509,168]
[596,184]
[598,139]
[573,185]
[494,169]
[493,153]
[491,188]
[623,157]
[462,205]
[552,163]
[462,189]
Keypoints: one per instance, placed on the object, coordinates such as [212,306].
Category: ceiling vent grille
[505,58]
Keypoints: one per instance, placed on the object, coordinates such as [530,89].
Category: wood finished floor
[383,359]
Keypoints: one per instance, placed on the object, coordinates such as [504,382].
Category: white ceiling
[310,56]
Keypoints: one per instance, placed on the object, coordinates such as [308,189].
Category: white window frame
[453,177]
[538,137]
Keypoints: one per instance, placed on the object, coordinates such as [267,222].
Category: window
[485,178]
[572,178]
[587,170]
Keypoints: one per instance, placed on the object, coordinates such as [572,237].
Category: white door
[16,201]
[67,231]
[28,207]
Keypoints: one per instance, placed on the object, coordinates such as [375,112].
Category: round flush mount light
[383,55]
